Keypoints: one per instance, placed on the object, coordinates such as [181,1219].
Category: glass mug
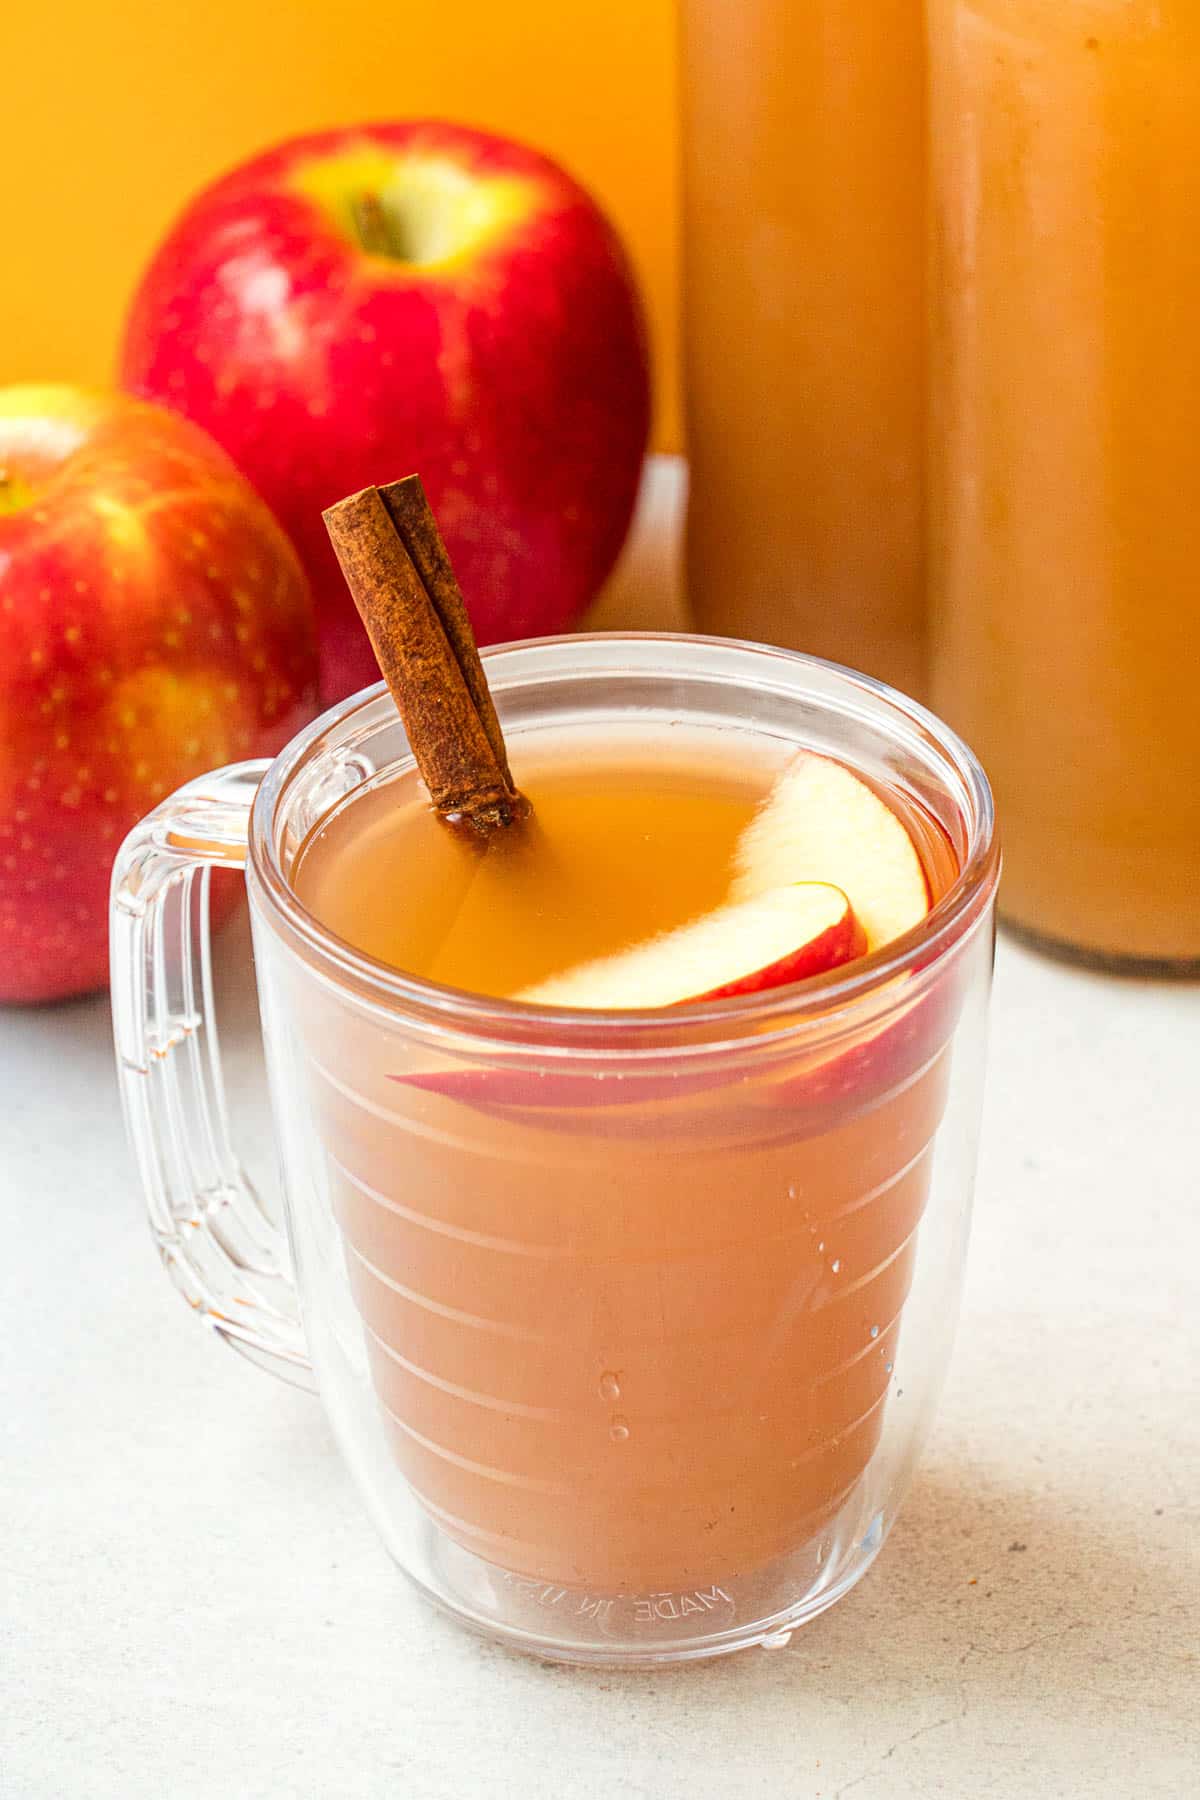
[630,1327]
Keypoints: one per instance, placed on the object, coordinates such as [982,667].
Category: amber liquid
[1066,491]
[626,1332]
[803,311]
[626,842]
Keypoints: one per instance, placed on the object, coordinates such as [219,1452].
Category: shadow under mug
[630,1328]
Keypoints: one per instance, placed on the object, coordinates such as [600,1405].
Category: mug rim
[824,997]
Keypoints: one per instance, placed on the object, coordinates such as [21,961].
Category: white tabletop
[193,1604]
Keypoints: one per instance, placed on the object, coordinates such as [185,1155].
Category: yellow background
[114,113]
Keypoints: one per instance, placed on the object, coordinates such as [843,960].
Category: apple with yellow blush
[154,623]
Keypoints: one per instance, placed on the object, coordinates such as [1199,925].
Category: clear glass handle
[225,1254]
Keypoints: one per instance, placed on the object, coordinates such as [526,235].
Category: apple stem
[13,492]
[374,227]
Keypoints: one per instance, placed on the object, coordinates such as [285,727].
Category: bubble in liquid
[821,1245]
[888,1367]
[610,1387]
[836,1264]
[874,1331]
[618,1430]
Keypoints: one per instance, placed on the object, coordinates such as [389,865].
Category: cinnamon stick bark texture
[397,569]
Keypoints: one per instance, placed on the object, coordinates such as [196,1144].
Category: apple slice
[765,941]
[821,823]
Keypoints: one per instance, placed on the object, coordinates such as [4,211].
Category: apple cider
[630,1331]
[1066,491]
[623,844]
[803,317]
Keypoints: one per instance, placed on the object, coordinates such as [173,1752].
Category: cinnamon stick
[398,571]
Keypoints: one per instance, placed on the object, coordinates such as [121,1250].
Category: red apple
[359,303]
[154,622]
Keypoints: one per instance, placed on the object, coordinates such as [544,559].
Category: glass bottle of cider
[1065,434]
[803,305]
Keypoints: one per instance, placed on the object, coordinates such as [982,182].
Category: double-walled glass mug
[630,1326]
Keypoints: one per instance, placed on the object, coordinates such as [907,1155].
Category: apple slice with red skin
[820,826]
[820,822]
[807,1099]
[821,815]
[878,1063]
[784,934]
[801,930]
